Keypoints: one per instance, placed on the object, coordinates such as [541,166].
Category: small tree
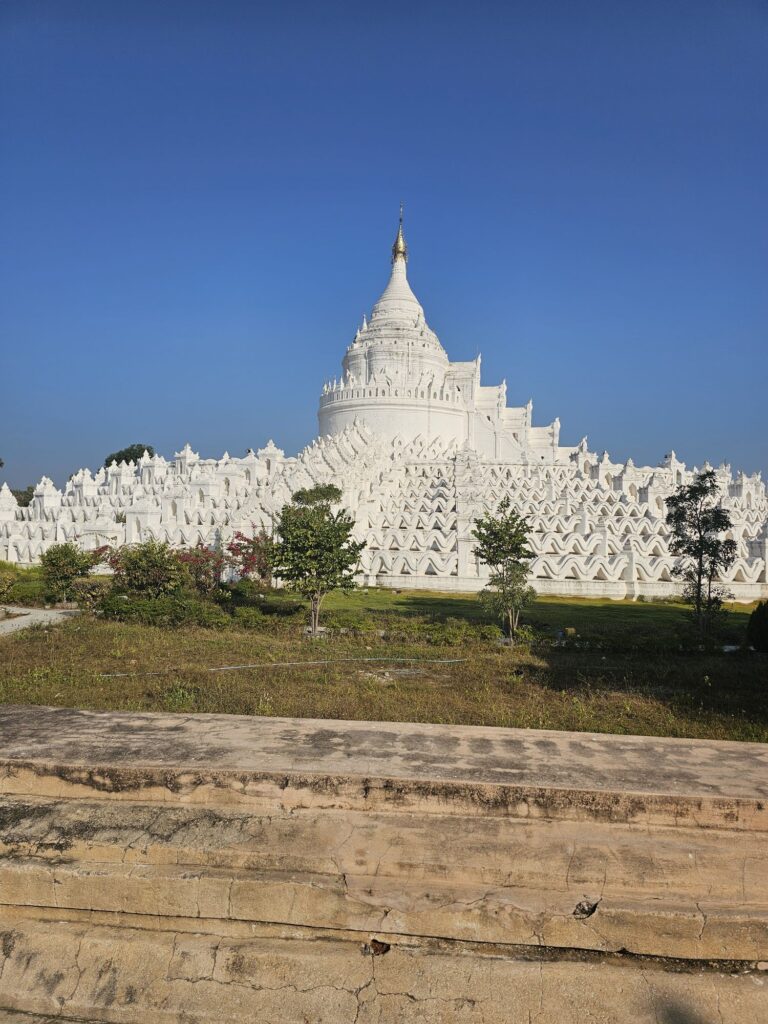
[757,627]
[503,546]
[63,564]
[152,569]
[205,567]
[130,454]
[251,557]
[315,553]
[697,521]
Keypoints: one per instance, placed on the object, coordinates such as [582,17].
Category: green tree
[757,627]
[132,453]
[315,553]
[24,497]
[151,569]
[63,564]
[697,521]
[320,494]
[502,543]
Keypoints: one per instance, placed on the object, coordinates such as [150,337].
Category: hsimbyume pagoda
[420,448]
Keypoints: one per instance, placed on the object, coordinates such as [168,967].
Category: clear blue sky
[198,200]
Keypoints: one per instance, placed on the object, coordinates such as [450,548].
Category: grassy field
[410,656]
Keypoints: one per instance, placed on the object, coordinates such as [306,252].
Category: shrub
[528,637]
[245,592]
[7,580]
[90,591]
[252,557]
[248,618]
[151,569]
[757,628]
[62,565]
[204,566]
[166,611]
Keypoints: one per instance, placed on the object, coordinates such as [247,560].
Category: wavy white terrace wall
[420,449]
[598,527]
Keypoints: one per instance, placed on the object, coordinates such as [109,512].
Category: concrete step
[273,764]
[95,971]
[159,868]
[657,925]
[555,856]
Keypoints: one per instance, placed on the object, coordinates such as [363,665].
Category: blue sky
[198,200]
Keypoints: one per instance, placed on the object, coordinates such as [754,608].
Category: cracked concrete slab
[123,975]
[201,868]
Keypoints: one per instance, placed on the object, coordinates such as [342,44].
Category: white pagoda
[420,449]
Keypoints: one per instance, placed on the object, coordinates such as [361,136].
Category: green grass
[628,623]
[28,588]
[630,669]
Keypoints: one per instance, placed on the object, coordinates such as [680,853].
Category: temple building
[397,378]
[420,448]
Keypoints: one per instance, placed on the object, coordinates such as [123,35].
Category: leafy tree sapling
[697,521]
[503,546]
[315,553]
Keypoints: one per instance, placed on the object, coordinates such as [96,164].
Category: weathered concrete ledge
[205,868]
[318,762]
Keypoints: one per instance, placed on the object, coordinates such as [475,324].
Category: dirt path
[26,617]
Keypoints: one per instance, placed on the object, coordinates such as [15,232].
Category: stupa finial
[400,249]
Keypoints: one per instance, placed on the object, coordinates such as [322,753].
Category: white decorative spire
[398,301]
[7,498]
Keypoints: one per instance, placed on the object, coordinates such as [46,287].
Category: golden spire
[400,249]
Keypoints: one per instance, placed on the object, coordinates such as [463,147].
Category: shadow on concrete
[673,1012]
